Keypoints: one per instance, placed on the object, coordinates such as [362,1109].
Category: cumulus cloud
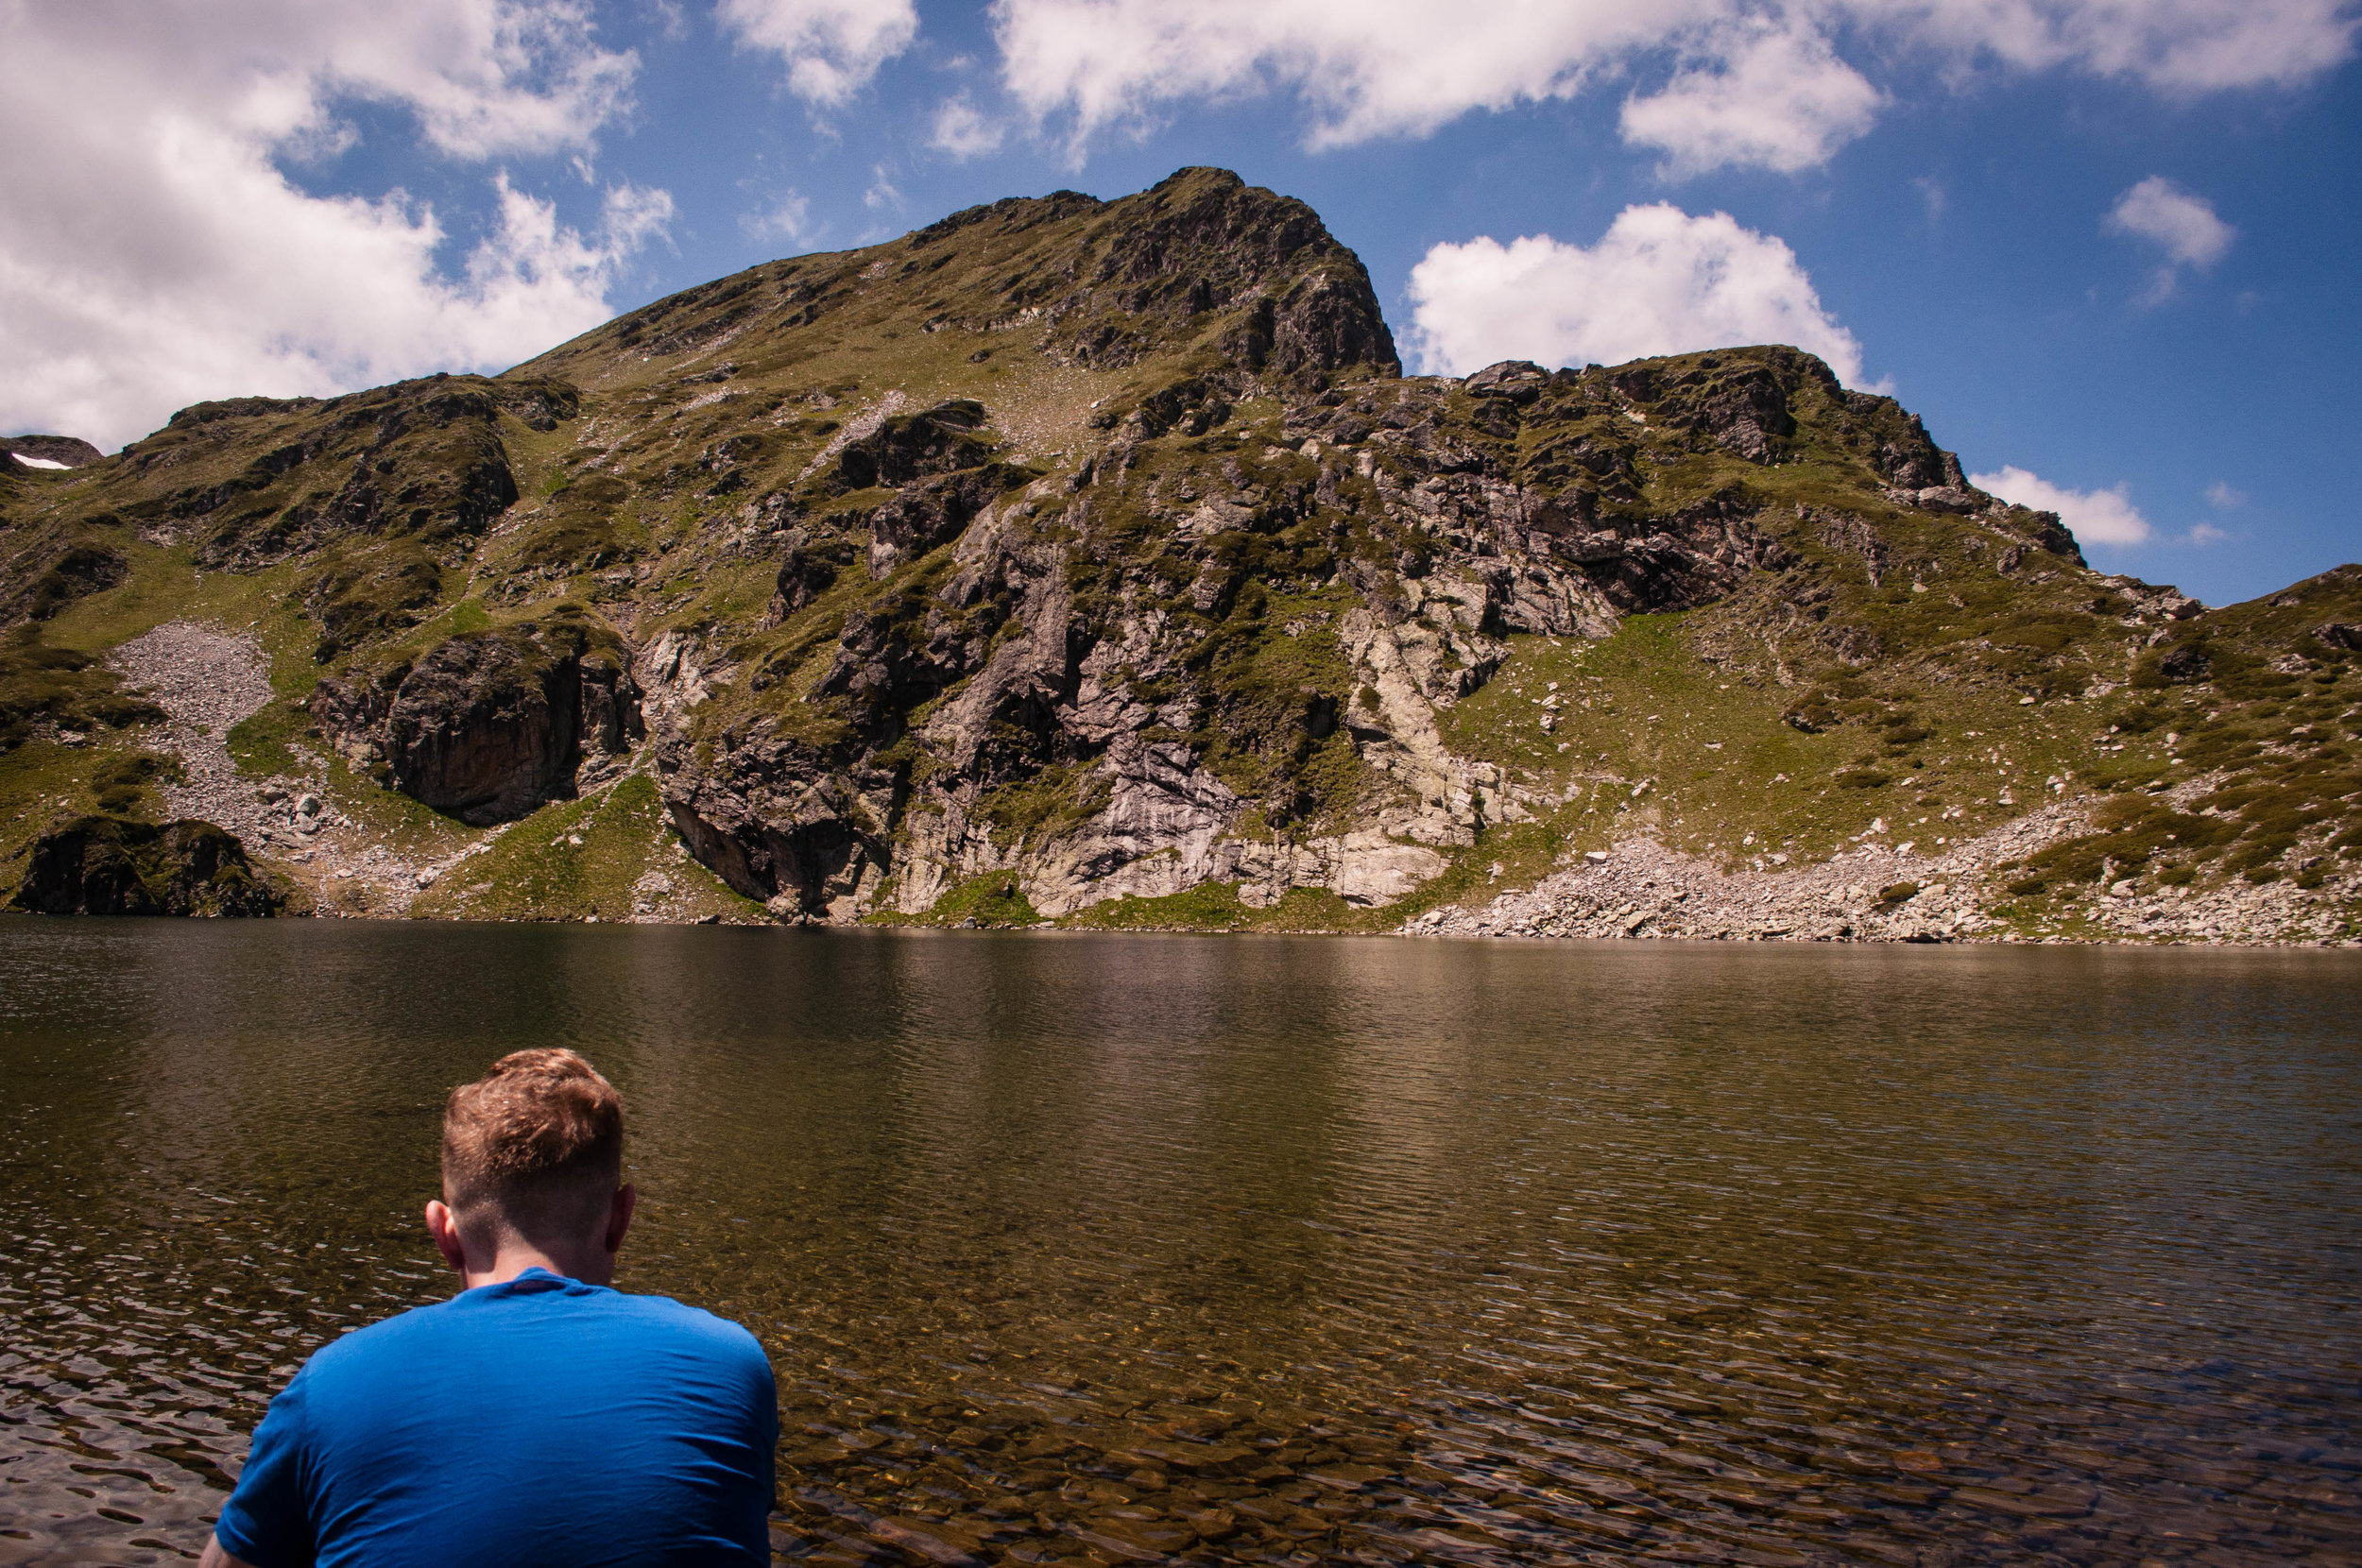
[2097,517]
[2223,498]
[1380,67]
[1768,95]
[2184,224]
[2180,222]
[153,253]
[963,130]
[1755,82]
[831,49]
[1659,282]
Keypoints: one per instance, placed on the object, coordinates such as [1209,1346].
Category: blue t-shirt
[539,1421]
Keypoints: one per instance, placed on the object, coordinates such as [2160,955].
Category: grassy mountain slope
[1095,562]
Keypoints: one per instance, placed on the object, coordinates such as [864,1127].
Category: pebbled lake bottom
[1114,1250]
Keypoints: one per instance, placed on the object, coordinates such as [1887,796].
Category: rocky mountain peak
[1099,552]
[1203,268]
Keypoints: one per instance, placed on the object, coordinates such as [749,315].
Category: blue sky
[2108,251]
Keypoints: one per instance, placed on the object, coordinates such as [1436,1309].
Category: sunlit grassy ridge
[597,858]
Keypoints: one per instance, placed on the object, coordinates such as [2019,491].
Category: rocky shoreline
[207,679]
[1885,892]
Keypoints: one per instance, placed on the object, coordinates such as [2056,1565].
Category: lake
[1121,1248]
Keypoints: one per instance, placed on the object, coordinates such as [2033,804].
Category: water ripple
[1119,1249]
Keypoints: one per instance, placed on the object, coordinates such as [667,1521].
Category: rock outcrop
[113,865]
[488,725]
[64,452]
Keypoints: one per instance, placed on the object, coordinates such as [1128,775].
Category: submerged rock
[113,865]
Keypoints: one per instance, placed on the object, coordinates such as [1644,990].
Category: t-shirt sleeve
[267,1520]
[764,1388]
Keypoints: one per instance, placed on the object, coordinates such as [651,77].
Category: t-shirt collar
[534,1281]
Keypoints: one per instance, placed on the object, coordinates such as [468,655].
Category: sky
[2110,251]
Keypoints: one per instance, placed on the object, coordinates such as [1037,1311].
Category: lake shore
[1886,894]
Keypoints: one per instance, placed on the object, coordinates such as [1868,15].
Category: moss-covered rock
[115,865]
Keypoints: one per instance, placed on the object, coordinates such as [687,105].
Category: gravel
[1883,892]
[207,679]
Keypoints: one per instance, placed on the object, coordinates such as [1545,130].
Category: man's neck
[595,1266]
[497,1253]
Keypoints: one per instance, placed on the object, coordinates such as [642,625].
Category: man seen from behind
[539,1417]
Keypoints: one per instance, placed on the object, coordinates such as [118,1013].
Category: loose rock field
[1878,891]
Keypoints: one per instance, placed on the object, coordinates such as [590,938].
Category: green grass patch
[537,870]
[404,825]
[65,689]
[260,743]
[123,782]
[1207,907]
[995,899]
[1053,801]
[43,785]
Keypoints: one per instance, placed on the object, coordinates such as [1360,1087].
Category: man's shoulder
[663,1315]
[385,1336]
[478,1316]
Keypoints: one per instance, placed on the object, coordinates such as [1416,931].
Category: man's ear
[619,1218]
[444,1227]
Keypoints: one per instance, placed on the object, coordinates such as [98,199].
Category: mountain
[1095,561]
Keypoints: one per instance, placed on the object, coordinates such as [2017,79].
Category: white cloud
[882,192]
[2206,532]
[1773,97]
[962,130]
[2223,498]
[2184,224]
[1754,81]
[2097,517]
[2176,45]
[153,254]
[485,78]
[536,273]
[1376,68]
[784,219]
[1659,282]
[831,49]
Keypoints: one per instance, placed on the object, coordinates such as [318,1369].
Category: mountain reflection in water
[1122,1249]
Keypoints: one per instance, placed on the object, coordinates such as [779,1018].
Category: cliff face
[1083,557]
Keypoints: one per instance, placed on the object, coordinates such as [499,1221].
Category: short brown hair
[536,1144]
